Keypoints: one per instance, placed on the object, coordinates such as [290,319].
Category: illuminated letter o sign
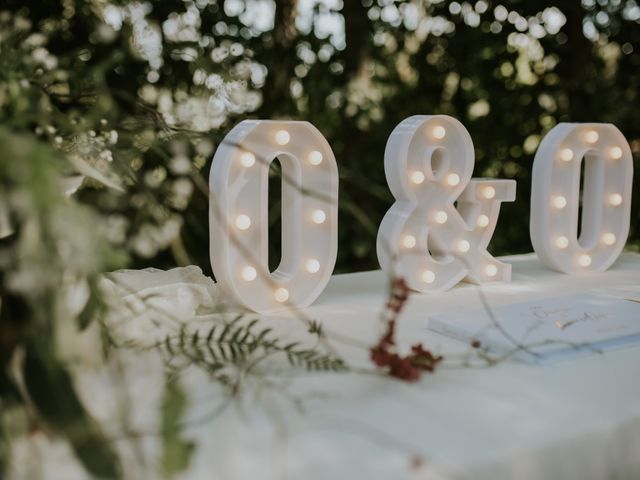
[606,203]
[238,214]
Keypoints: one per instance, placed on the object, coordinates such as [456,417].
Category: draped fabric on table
[574,419]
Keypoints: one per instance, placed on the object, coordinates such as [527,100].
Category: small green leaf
[177,451]
[211,333]
[167,342]
[51,390]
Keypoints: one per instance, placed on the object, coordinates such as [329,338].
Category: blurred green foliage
[48,272]
[176,451]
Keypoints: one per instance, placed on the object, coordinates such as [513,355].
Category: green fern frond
[237,343]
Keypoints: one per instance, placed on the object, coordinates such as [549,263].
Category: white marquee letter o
[238,214]
[555,197]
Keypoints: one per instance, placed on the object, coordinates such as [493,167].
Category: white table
[578,419]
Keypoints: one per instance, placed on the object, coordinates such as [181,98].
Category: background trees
[160,83]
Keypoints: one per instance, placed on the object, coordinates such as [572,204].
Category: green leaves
[176,450]
[55,247]
[51,391]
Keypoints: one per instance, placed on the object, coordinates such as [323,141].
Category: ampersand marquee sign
[437,231]
[424,238]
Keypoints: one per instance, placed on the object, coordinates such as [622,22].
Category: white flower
[35,40]
[182,190]
[115,229]
[180,165]
[205,147]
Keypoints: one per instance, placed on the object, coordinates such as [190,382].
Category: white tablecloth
[578,419]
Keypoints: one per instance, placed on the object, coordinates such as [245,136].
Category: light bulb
[584,260]
[281,295]
[608,239]
[249,274]
[428,276]
[464,246]
[282,137]
[315,157]
[562,242]
[453,179]
[483,221]
[591,136]
[491,270]
[438,132]
[417,177]
[615,199]
[615,153]
[441,217]
[488,192]
[559,201]
[566,154]
[318,216]
[312,265]
[243,222]
[409,241]
[247,159]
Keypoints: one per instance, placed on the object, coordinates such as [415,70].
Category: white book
[549,329]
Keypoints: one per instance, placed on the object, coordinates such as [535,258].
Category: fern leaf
[210,334]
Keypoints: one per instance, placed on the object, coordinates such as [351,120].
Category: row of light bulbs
[248,159]
[608,239]
[559,202]
[281,294]
[452,179]
[282,138]
[428,276]
[409,241]
[566,154]
[590,136]
[243,221]
[441,218]
[249,273]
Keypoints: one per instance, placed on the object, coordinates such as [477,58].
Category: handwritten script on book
[550,329]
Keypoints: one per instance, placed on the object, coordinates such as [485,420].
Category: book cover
[547,330]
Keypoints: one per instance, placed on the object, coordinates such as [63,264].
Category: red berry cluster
[384,355]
